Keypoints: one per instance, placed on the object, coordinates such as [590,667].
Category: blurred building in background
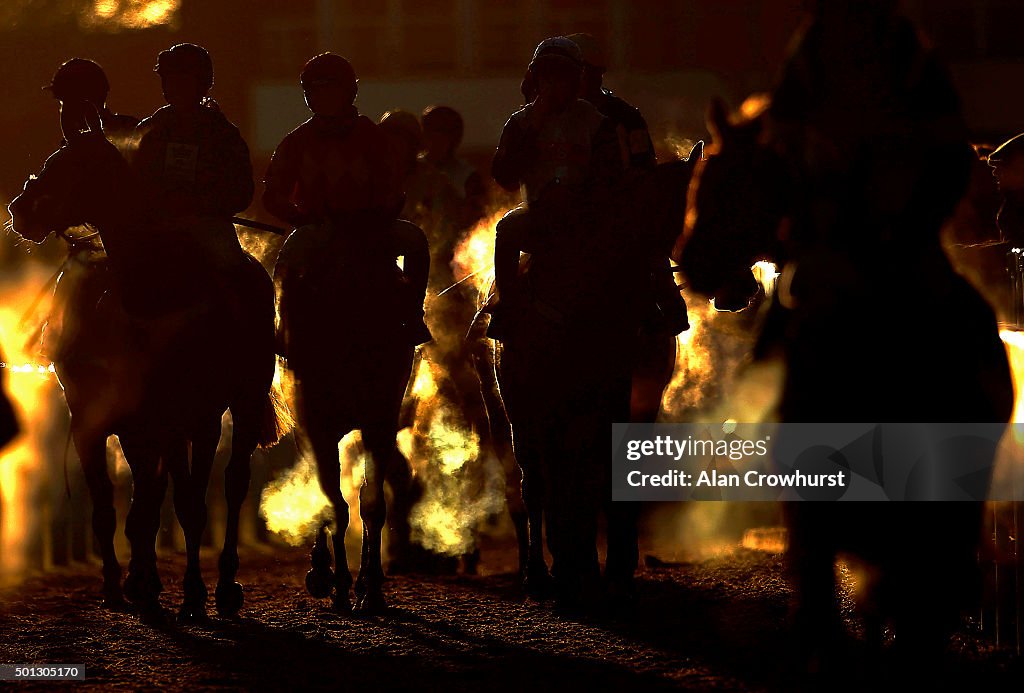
[667,56]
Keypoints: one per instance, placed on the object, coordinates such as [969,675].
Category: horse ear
[718,119]
[696,152]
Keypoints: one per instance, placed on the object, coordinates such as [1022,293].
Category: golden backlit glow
[767,539]
[294,506]
[460,489]
[679,146]
[114,15]
[766,274]
[1014,342]
[473,261]
[29,384]
[694,367]
[1008,475]
[754,106]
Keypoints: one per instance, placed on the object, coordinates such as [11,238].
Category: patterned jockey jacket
[201,155]
[334,165]
[578,148]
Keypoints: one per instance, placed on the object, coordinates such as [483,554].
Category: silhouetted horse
[571,367]
[340,302]
[846,181]
[153,355]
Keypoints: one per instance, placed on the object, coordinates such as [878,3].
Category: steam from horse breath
[31,386]
[461,485]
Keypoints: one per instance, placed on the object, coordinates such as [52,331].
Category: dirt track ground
[718,624]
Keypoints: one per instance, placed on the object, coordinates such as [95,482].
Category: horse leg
[810,561]
[325,453]
[92,451]
[652,371]
[500,436]
[190,506]
[514,425]
[142,586]
[405,492]
[517,512]
[536,578]
[380,448]
[244,437]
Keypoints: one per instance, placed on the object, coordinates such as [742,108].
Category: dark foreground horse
[341,295]
[159,379]
[845,181]
[575,364]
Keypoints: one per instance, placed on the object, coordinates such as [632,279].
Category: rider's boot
[671,305]
[415,328]
[501,318]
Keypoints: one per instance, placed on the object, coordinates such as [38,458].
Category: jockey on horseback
[442,135]
[192,163]
[638,156]
[81,79]
[561,150]
[431,201]
[338,167]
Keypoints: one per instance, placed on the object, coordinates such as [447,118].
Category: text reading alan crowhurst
[817,462]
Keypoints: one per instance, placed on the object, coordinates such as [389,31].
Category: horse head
[734,207]
[661,200]
[81,183]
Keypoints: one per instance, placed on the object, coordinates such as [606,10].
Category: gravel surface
[716,624]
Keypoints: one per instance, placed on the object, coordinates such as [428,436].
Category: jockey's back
[576,147]
[193,164]
[333,165]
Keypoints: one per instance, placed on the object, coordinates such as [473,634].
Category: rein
[75,245]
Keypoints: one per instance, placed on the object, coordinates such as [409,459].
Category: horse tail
[277,419]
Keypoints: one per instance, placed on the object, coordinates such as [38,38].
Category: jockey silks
[334,165]
[566,148]
[194,164]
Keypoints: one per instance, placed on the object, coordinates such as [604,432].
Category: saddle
[329,281]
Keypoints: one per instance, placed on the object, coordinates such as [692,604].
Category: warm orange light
[115,15]
[28,381]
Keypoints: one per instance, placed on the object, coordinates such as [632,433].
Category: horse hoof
[113,599]
[143,590]
[229,599]
[538,585]
[319,583]
[370,604]
[342,604]
[192,613]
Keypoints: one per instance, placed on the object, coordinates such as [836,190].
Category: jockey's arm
[517,151]
[386,179]
[279,184]
[410,243]
[606,165]
[235,188]
[146,163]
[639,147]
